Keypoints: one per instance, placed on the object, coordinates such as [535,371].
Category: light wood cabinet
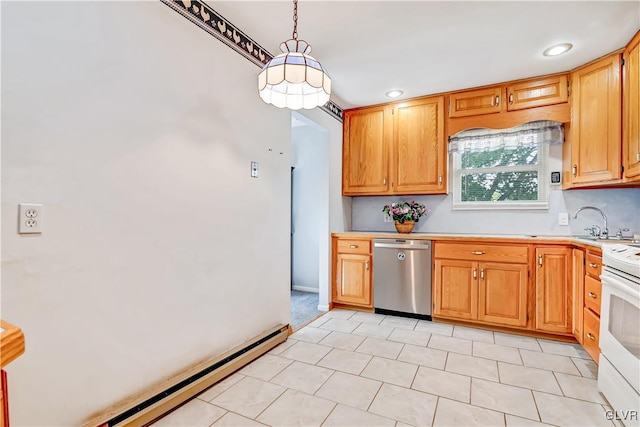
[578,293]
[366,135]
[591,303]
[538,93]
[475,102]
[352,272]
[456,289]
[502,293]
[596,108]
[395,149]
[553,289]
[419,160]
[481,282]
[631,110]
[4,400]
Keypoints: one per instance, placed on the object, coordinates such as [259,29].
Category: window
[503,169]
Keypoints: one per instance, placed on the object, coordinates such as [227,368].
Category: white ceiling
[426,47]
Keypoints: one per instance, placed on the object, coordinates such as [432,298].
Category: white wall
[622,207]
[339,217]
[135,129]
[310,209]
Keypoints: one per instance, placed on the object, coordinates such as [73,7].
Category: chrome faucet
[604,233]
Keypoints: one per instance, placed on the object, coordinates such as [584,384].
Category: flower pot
[406,227]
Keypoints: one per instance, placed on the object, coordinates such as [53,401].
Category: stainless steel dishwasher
[402,277]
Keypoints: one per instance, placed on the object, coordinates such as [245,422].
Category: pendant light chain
[295,20]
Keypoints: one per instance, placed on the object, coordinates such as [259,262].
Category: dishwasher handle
[421,247]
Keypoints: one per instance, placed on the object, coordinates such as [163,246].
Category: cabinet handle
[366,265]
[593,265]
[592,295]
[497,100]
[384,181]
[477,252]
[574,170]
[591,336]
[511,98]
[482,273]
[540,260]
[440,179]
[638,157]
[353,246]
[475,273]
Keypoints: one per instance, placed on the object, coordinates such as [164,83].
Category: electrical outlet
[563,218]
[254,169]
[29,218]
[387,218]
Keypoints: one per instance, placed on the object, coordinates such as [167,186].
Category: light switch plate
[254,169]
[387,218]
[563,218]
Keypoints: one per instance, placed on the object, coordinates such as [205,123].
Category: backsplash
[622,207]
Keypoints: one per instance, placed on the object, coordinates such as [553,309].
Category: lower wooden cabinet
[591,339]
[4,403]
[352,272]
[554,289]
[455,289]
[578,293]
[483,290]
[502,293]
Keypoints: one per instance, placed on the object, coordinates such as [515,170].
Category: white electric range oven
[619,367]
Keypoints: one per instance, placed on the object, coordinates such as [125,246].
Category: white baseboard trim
[323,307]
[305,289]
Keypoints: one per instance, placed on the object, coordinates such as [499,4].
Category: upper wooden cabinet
[631,110]
[395,149]
[474,102]
[510,104]
[596,109]
[419,161]
[538,93]
[365,150]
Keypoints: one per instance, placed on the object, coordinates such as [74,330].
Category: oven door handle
[633,293]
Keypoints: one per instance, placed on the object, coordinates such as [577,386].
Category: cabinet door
[578,293]
[456,289]
[503,293]
[631,110]
[553,289]
[537,93]
[353,279]
[367,133]
[419,149]
[474,102]
[596,122]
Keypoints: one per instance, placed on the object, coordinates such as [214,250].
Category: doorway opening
[309,214]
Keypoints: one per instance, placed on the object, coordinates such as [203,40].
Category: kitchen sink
[609,240]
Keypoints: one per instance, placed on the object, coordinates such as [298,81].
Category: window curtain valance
[527,135]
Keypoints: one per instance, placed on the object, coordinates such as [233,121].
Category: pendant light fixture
[294,79]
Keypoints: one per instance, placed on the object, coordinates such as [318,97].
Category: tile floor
[361,369]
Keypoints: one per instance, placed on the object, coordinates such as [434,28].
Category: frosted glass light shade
[294,79]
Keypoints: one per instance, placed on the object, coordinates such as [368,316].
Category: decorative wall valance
[525,135]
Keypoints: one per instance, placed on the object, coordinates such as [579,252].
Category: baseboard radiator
[143,408]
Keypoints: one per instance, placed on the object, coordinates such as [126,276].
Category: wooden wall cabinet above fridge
[397,148]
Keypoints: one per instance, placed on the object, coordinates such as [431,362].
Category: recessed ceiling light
[558,49]
[394,93]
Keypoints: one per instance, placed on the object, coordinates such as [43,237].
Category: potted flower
[405,214]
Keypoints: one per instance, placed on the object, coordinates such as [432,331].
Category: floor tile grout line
[272,402]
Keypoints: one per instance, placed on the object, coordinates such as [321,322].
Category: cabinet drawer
[474,102]
[594,265]
[354,246]
[592,294]
[482,252]
[537,93]
[591,339]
